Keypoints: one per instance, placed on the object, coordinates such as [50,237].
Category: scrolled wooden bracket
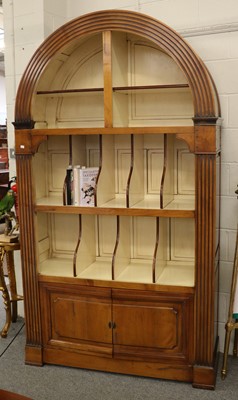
[26,143]
[189,139]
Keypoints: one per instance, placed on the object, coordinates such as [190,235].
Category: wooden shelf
[69,92]
[138,271]
[137,130]
[134,273]
[54,205]
[125,89]
[180,203]
[56,267]
[100,269]
[149,88]
[178,274]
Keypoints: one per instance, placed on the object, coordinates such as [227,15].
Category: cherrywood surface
[206,246]
[162,370]
[164,316]
[86,326]
[92,320]
[102,325]
[107,54]
[72,282]
[115,211]
[30,285]
[110,131]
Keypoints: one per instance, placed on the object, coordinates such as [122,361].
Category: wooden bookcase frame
[185,345]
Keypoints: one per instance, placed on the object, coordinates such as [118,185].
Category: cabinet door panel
[152,326]
[77,319]
[160,322]
[86,319]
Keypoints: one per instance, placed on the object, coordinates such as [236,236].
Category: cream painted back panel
[182,239]
[133,61]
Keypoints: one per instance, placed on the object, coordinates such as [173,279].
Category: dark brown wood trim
[26,143]
[28,254]
[205,258]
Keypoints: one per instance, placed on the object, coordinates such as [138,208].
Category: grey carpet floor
[60,383]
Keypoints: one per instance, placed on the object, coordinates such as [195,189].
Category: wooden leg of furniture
[10,298]
[225,355]
[12,283]
[5,296]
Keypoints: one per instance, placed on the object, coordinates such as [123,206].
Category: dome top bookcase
[124,94]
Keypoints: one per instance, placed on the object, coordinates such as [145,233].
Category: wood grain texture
[26,143]
[28,255]
[184,130]
[205,258]
[96,332]
[107,62]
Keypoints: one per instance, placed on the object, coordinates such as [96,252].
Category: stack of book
[80,185]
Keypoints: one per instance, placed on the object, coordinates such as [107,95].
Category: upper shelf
[137,130]
[69,92]
[149,88]
[123,89]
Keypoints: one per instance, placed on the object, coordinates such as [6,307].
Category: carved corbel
[26,143]
[189,139]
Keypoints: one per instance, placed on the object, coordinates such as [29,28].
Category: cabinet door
[152,326]
[77,318]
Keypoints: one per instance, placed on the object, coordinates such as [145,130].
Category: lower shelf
[178,274]
[138,271]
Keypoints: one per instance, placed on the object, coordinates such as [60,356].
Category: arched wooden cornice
[202,86]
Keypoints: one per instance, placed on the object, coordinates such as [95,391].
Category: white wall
[2,79]
[26,24]
[210,26]
[2,99]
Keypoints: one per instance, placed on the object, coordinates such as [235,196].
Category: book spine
[69,179]
[76,185]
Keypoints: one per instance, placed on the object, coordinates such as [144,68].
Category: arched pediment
[205,99]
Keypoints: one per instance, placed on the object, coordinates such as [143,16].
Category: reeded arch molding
[201,84]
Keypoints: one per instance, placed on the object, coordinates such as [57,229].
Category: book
[87,182]
[68,186]
[76,185]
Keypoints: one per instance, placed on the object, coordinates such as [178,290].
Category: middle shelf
[151,171]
